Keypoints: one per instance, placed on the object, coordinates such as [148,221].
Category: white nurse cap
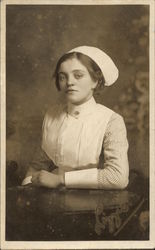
[105,63]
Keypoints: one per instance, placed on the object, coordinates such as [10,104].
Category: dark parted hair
[91,66]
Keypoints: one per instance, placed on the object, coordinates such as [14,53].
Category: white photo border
[150,244]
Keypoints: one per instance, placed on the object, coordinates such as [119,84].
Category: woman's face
[75,81]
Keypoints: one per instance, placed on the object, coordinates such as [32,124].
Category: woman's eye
[62,78]
[78,76]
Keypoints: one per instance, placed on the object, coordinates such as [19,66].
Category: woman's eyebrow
[61,72]
[78,70]
[74,70]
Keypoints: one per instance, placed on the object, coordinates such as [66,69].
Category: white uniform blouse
[88,143]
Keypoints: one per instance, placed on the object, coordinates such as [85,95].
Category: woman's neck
[82,108]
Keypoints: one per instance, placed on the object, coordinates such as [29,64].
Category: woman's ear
[95,85]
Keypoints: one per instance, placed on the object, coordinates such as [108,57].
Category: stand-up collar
[81,110]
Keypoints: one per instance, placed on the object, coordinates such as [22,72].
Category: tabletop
[41,214]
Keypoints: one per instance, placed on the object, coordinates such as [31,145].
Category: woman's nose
[70,81]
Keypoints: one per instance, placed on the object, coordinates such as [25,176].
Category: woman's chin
[73,99]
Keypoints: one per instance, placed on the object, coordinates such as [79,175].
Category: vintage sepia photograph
[77,124]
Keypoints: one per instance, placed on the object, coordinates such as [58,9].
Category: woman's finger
[35,178]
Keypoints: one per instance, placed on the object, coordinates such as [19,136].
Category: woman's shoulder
[116,123]
[53,112]
[106,112]
[115,119]
[114,115]
[54,109]
[103,109]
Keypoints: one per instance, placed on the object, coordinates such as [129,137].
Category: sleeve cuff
[27,180]
[87,178]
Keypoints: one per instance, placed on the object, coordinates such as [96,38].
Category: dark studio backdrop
[37,35]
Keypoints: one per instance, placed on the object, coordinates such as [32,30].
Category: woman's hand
[47,179]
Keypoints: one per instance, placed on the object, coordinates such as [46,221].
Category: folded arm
[112,172]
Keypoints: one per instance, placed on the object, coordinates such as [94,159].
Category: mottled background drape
[37,35]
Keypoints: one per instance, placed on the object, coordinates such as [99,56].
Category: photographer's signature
[110,222]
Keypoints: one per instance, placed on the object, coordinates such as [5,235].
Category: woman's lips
[70,90]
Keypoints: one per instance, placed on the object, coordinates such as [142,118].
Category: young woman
[84,144]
